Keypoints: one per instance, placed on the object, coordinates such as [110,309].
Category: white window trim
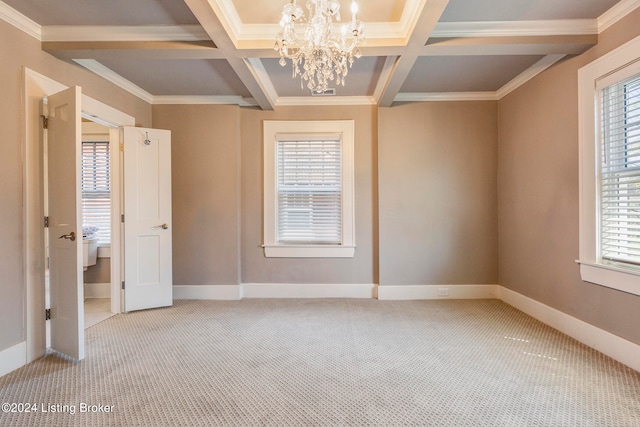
[272,128]
[591,267]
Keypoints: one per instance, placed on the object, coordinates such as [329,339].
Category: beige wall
[539,190]
[205,169]
[360,269]
[18,50]
[217,197]
[98,273]
[446,193]
[438,193]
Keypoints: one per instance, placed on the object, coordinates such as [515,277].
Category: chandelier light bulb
[320,51]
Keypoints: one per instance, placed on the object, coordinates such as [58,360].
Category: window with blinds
[620,172]
[309,191]
[96,189]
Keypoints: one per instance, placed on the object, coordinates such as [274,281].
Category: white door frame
[36,86]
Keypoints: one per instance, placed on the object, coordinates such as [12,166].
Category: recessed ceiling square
[209,77]
[465,73]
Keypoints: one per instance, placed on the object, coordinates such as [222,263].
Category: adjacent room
[314,212]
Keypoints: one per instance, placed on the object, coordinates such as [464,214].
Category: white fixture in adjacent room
[89,252]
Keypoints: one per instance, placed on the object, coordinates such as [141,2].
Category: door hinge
[47,314]
[123,284]
[46,222]
[122,218]
[45,122]
[122,147]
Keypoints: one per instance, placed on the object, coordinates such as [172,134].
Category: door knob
[163,226]
[71,236]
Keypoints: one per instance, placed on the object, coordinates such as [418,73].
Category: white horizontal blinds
[96,189]
[620,172]
[309,190]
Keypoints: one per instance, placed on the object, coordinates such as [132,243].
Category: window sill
[626,280]
[308,251]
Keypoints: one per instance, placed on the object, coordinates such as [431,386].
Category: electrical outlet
[443,292]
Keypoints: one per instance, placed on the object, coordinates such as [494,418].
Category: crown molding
[528,74]
[303,101]
[115,78]
[616,13]
[103,33]
[204,100]
[567,27]
[18,20]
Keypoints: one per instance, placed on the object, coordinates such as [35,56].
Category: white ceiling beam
[424,26]
[204,13]
[88,33]
[133,50]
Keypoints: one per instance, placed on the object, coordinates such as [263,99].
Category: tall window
[96,189]
[609,112]
[308,194]
[620,176]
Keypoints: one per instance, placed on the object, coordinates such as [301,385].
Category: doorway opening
[97,193]
[36,88]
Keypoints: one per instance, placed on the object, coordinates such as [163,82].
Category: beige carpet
[327,362]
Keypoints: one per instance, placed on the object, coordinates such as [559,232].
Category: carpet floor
[325,362]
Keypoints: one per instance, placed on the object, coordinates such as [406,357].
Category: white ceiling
[221,51]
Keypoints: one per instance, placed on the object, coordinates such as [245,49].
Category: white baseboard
[618,348]
[297,290]
[417,292]
[13,358]
[97,290]
[214,292]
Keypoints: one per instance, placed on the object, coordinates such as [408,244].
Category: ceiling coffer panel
[213,77]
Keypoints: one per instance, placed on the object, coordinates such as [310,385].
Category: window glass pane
[309,192]
[96,189]
[620,177]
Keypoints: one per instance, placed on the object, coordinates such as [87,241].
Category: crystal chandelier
[320,51]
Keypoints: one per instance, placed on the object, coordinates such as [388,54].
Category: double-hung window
[96,189]
[308,194]
[620,172]
[609,101]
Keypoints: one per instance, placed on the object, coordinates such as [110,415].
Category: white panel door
[147,219]
[65,223]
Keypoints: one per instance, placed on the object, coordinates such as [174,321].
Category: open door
[148,281]
[65,223]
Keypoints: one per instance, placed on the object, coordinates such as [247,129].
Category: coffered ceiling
[221,51]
